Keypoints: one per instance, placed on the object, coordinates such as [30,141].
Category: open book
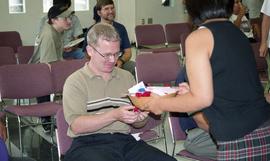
[74,42]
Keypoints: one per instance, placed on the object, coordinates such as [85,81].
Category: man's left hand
[119,63]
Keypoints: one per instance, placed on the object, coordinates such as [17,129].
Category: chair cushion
[37,110]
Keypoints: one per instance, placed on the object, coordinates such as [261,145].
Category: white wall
[129,13]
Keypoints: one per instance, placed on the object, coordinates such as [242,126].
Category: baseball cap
[59,10]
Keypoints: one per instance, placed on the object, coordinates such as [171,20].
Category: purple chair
[178,134]
[24,54]
[62,69]
[175,30]
[11,39]
[7,56]
[152,69]
[63,141]
[152,37]
[183,38]
[157,68]
[25,81]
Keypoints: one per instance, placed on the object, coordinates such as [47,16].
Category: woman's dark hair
[202,10]
[101,3]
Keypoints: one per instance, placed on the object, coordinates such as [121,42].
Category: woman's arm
[199,47]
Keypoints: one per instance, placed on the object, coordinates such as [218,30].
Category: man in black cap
[73,33]
[49,44]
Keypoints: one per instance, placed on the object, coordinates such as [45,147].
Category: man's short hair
[102,31]
[101,3]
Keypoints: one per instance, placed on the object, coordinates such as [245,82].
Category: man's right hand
[125,114]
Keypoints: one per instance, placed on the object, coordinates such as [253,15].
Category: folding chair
[7,56]
[175,30]
[156,68]
[152,37]
[63,141]
[24,54]
[25,81]
[178,134]
[61,70]
[11,39]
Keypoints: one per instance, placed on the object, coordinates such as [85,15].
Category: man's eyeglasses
[109,55]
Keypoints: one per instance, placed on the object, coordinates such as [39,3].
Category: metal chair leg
[20,135]
[8,136]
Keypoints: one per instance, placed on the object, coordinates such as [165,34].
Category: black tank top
[239,105]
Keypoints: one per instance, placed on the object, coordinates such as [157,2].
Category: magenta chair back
[157,68]
[11,39]
[25,53]
[7,56]
[150,35]
[25,81]
[62,69]
[175,30]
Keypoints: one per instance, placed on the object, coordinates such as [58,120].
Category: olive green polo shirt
[83,87]
[48,46]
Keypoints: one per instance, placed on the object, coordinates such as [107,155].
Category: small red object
[136,109]
[143,94]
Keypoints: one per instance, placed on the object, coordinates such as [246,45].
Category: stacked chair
[60,70]
[174,32]
[17,54]
[11,39]
[152,38]
[156,69]
[24,54]
[26,81]
[7,56]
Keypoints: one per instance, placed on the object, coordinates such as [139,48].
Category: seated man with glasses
[99,117]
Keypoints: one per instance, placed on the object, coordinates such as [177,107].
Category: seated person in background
[49,44]
[254,15]
[73,33]
[198,141]
[106,11]
[101,132]
[96,17]
[240,20]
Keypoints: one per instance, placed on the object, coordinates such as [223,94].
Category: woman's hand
[183,88]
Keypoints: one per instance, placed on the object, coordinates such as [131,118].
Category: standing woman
[223,84]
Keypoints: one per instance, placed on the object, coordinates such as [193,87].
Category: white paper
[136,88]
[161,90]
